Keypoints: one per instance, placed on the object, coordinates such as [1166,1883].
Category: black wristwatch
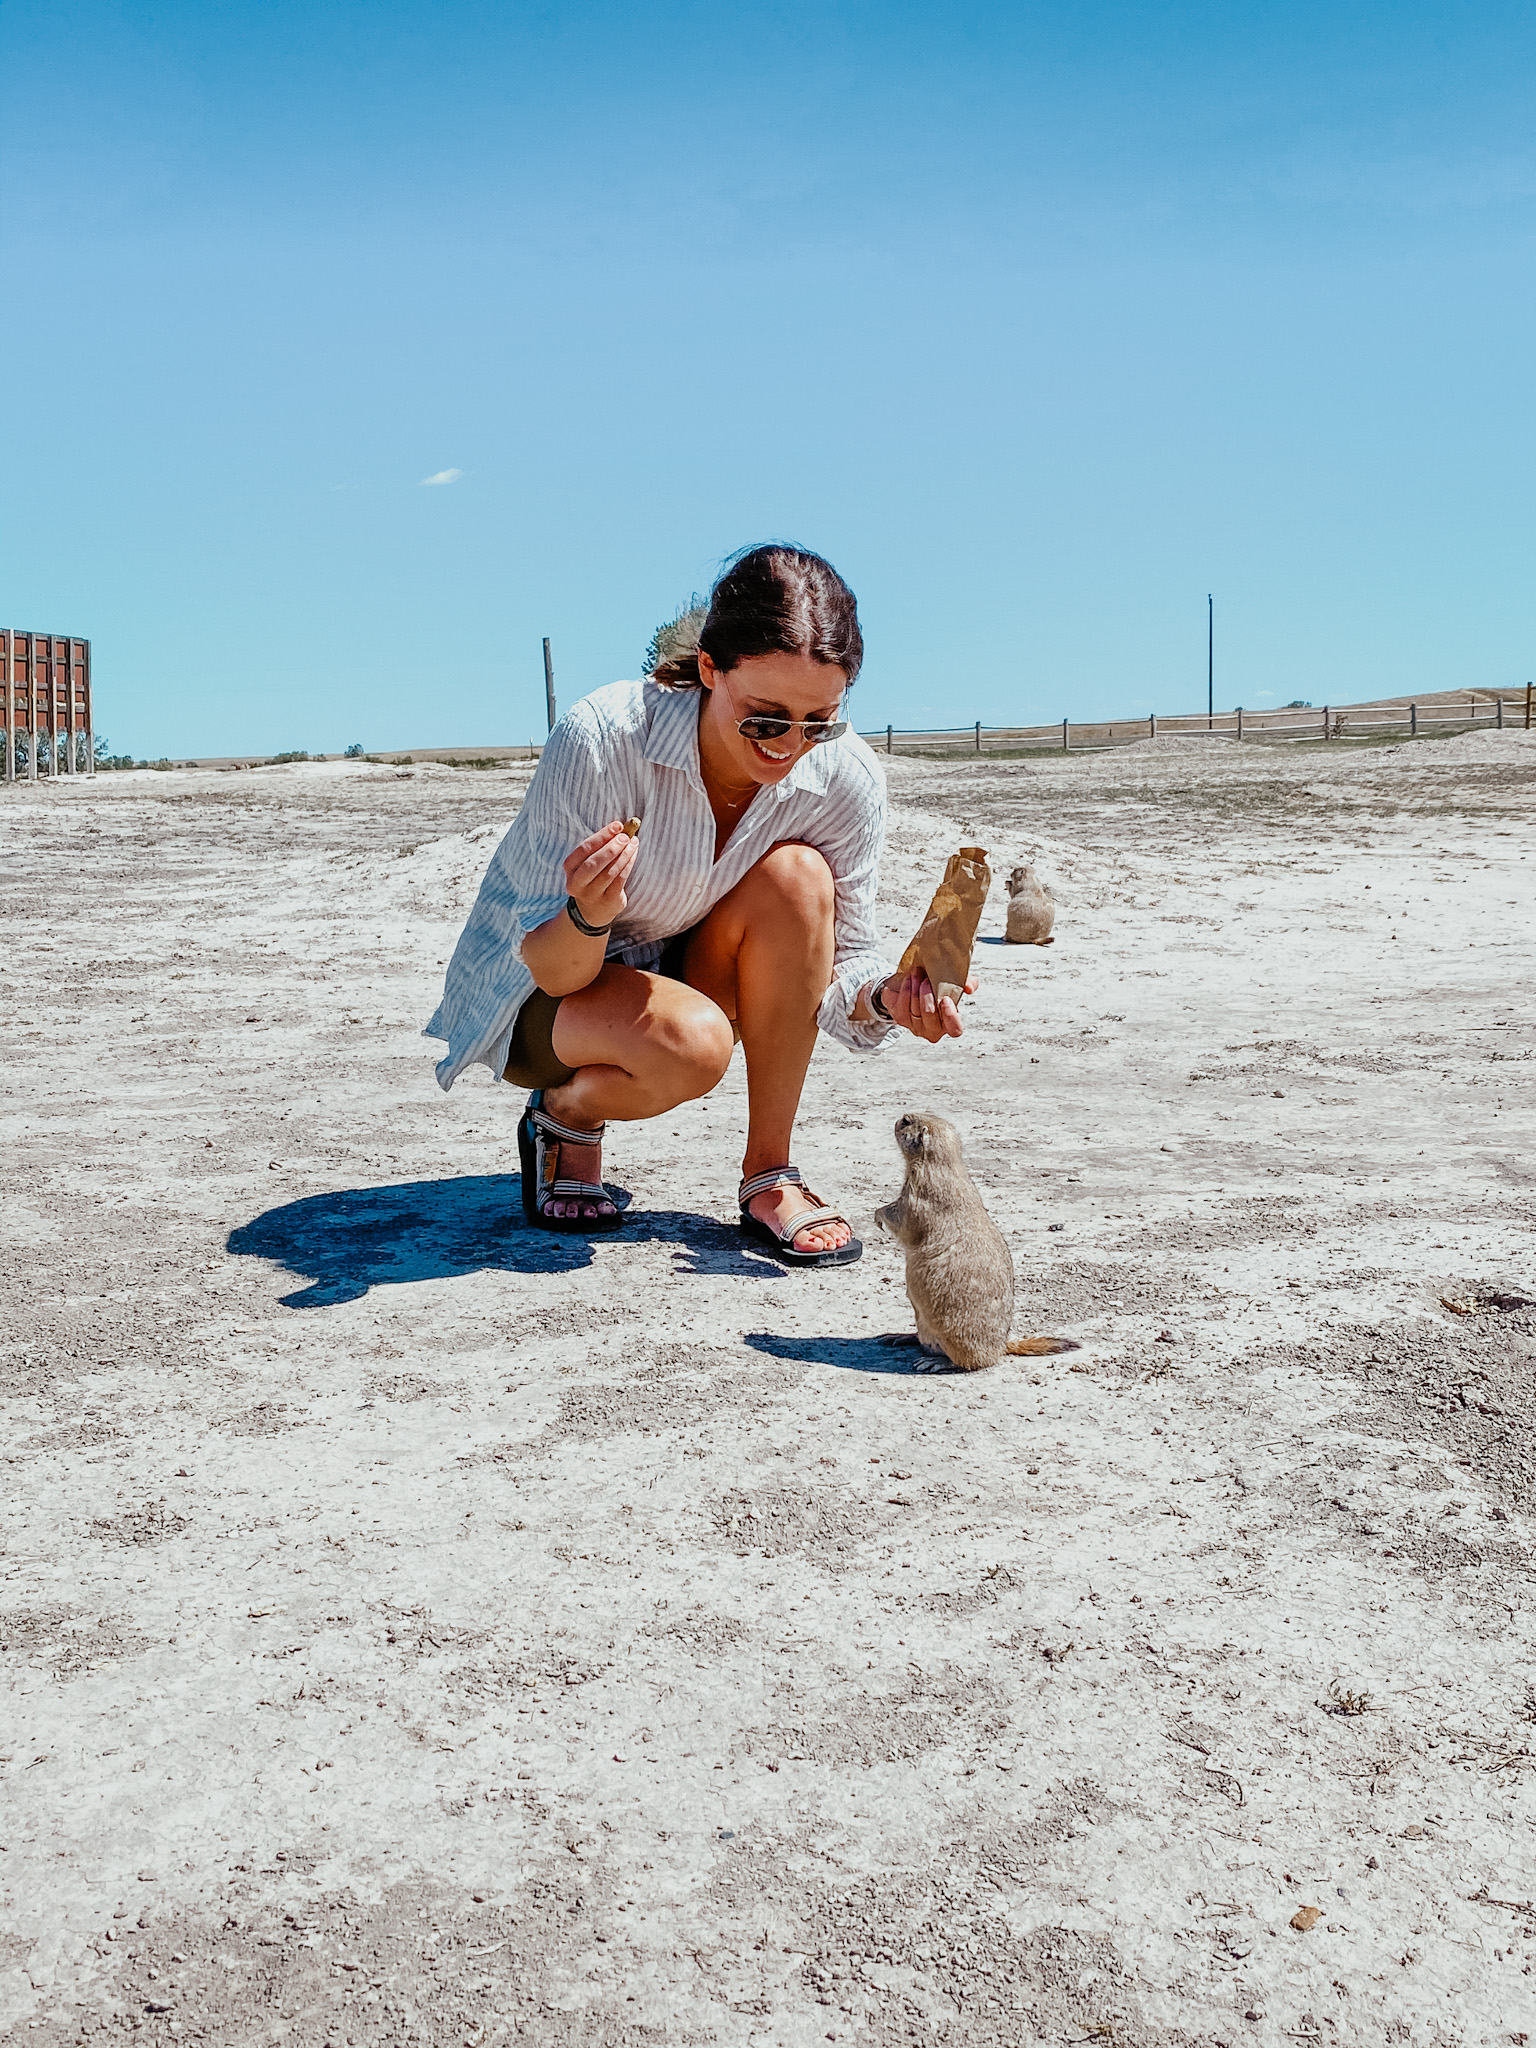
[877,1001]
[589,931]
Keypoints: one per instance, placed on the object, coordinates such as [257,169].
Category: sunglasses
[815,729]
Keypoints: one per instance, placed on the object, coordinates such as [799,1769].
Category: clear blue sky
[1040,321]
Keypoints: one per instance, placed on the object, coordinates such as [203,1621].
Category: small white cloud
[443,476]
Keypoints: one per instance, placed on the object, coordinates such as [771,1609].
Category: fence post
[1327,720]
[887,739]
[1064,747]
[1498,716]
[1152,723]
[549,686]
[1413,721]
[978,735]
[1239,721]
[1528,689]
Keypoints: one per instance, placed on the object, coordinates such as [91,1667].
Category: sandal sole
[760,1233]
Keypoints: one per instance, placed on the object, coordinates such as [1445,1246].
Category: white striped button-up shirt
[632,750]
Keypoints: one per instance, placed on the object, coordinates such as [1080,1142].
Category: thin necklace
[735,803]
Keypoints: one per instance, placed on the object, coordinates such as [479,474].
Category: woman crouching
[610,971]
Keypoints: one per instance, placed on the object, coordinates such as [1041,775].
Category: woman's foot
[778,1208]
[583,1163]
[574,1161]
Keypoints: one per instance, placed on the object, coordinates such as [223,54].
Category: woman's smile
[767,754]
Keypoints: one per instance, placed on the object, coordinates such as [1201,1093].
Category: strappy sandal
[539,1138]
[782,1243]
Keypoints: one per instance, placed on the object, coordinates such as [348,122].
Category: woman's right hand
[914,1007]
[596,872]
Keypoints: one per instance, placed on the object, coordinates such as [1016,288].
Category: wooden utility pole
[1210,664]
[549,686]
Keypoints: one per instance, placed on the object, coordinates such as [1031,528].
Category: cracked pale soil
[415,1629]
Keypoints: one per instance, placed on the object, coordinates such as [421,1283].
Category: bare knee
[799,877]
[687,1050]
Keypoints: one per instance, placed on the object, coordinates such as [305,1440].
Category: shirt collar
[672,741]
[672,728]
[812,773]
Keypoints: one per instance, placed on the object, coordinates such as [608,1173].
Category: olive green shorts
[532,1061]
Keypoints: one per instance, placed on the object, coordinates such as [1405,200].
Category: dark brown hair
[773,599]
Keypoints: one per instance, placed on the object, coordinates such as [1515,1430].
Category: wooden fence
[1480,711]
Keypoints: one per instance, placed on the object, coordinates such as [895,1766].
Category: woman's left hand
[913,1005]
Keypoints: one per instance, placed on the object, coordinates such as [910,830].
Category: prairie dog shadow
[887,1354]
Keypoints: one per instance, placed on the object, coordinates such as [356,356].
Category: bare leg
[640,1044]
[764,957]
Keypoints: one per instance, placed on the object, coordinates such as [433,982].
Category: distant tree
[278,758]
[354,752]
[1299,704]
[677,635]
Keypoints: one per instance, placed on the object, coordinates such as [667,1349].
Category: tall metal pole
[549,686]
[1210,664]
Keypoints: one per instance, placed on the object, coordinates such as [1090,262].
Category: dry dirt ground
[416,1629]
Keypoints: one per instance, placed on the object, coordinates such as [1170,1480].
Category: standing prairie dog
[1031,909]
[959,1267]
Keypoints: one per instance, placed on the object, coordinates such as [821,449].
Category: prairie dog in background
[959,1267]
[1031,909]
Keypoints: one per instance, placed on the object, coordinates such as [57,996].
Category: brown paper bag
[944,939]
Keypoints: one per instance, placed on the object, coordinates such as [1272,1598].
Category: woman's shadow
[345,1243]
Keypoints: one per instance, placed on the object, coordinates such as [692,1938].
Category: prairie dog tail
[1039,1347]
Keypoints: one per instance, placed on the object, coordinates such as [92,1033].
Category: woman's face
[765,686]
